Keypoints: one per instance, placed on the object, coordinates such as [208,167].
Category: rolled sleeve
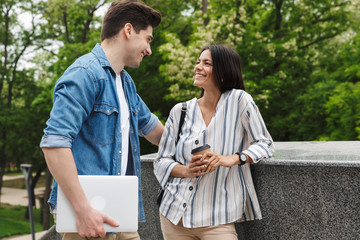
[261,145]
[145,130]
[53,141]
[162,170]
[74,97]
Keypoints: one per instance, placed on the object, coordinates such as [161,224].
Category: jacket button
[184,205]
[191,188]
[196,142]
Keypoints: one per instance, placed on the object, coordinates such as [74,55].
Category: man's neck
[114,56]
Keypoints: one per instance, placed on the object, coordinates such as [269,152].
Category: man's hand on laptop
[90,223]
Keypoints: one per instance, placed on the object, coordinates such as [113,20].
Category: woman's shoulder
[189,103]
[241,95]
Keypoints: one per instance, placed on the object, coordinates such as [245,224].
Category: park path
[15,196]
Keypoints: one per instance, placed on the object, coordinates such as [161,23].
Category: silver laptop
[116,196]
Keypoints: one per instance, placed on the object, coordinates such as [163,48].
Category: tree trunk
[204,10]
[278,19]
[278,32]
[88,22]
[86,30]
[2,160]
[67,37]
[33,182]
[237,19]
[6,42]
[46,209]
[3,157]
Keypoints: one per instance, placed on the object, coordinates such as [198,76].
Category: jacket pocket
[102,124]
[135,109]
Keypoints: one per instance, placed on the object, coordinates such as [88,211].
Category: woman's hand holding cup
[199,164]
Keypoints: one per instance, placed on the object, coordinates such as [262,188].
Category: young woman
[206,194]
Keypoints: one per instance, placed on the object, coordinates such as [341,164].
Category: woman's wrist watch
[242,158]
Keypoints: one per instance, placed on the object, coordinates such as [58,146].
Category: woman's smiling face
[203,71]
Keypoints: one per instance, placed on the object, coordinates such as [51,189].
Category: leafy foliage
[343,110]
[284,47]
[300,61]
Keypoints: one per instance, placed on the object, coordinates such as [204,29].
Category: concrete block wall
[309,190]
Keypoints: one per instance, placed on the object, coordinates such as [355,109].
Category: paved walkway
[15,196]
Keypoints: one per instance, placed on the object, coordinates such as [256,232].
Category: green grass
[13,173]
[13,222]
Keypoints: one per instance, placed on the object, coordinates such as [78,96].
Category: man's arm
[62,166]
[155,135]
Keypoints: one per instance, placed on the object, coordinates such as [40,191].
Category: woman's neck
[207,104]
[210,99]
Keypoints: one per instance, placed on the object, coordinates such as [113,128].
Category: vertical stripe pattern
[226,195]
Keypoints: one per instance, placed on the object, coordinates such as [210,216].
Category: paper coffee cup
[201,150]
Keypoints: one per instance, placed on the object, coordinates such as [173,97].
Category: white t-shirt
[125,124]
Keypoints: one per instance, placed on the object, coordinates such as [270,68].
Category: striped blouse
[225,195]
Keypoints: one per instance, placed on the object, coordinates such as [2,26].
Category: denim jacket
[86,118]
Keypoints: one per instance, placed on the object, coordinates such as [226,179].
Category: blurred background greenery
[300,60]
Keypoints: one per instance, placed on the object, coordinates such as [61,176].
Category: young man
[97,115]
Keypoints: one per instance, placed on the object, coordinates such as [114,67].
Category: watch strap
[241,162]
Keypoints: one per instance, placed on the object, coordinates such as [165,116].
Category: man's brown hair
[135,12]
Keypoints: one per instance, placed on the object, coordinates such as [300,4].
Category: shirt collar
[100,54]
[104,62]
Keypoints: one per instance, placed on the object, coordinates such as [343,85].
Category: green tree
[74,27]
[343,110]
[16,39]
[151,85]
[329,103]
[280,42]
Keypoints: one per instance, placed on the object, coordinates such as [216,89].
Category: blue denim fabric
[86,118]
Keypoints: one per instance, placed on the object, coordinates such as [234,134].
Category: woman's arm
[165,161]
[215,160]
[261,145]
[196,168]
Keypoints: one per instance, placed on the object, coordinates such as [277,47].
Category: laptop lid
[116,196]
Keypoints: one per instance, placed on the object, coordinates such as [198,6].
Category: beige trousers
[118,236]
[179,232]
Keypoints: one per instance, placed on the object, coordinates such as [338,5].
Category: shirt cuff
[53,141]
[149,126]
[165,178]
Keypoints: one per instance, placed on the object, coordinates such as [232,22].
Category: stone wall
[309,190]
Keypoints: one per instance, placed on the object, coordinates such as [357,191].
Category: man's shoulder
[87,61]
[88,64]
